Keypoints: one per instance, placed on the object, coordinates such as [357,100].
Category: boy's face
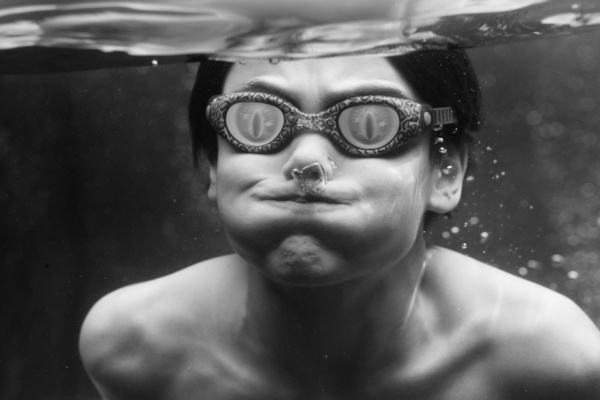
[370,214]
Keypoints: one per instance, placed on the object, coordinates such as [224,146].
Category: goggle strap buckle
[442,116]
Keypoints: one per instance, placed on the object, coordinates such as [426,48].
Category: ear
[447,180]
[212,184]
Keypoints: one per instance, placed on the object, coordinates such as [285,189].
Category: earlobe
[447,183]
[212,184]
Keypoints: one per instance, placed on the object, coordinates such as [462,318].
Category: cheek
[236,171]
[228,183]
[410,188]
[401,192]
[391,221]
[236,174]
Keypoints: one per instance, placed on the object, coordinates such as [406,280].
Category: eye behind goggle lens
[254,123]
[369,126]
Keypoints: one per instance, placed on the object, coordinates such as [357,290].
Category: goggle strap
[442,116]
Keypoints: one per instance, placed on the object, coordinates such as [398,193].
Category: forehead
[319,79]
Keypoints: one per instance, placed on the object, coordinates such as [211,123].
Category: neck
[358,324]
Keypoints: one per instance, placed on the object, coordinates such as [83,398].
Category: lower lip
[305,205]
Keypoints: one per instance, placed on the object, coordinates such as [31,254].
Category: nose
[311,161]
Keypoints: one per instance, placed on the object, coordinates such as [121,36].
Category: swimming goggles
[366,126]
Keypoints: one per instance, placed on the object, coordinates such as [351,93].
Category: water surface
[39,36]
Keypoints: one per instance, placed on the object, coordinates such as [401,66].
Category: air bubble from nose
[333,164]
[312,178]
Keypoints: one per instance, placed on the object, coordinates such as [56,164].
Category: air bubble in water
[523,271]
[154,63]
[573,274]
[332,163]
[484,236]
[557,260]
[447,170]
[410,31]
[463,246]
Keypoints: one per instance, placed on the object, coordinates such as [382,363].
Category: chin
[303,261]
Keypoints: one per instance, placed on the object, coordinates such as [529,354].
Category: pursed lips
[303,198]
[289,192]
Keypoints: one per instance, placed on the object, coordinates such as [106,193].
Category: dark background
[98,190]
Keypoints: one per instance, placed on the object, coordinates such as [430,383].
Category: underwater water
[38,36]
[98,187]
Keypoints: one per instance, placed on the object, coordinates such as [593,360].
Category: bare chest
[230,378]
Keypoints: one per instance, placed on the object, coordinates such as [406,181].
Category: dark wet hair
[441,78]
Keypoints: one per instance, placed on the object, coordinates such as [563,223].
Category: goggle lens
[253,123]
[369,126]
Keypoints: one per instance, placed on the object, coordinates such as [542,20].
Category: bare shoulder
[134,337]
[539,341]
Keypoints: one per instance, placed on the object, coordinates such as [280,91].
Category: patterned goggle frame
[413,120]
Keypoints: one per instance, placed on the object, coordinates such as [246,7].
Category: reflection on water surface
[270,29]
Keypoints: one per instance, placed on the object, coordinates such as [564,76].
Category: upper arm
[579,339]
[136,341]
[113,348]
[559,359]
[541,344]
